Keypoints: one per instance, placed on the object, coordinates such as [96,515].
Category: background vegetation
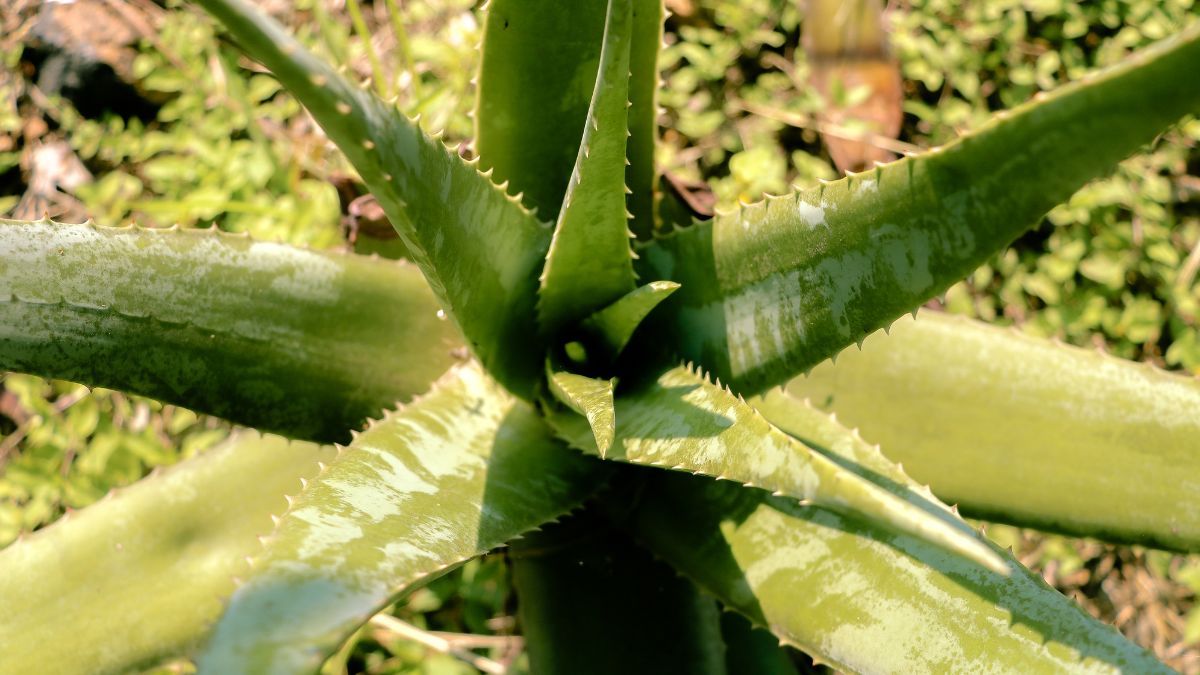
[199,137]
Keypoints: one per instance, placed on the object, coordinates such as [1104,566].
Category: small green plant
[598,332]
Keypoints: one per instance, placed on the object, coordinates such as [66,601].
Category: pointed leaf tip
[590,262]
[592,398]
[614,325]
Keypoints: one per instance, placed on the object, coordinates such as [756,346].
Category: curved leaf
[149,563]
[683,422]
[774,288]
[426,489]
[589,264]
[867,600]
[301,342]
[613,326]
[1023,430]
[479,248]
[591,398]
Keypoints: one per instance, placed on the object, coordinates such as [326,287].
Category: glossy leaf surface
[867,600]
[418,493]
[590,264]
[774,288]
[301,342]
[1026,431]
[479,248]
[140,576]
[683,422]
[591,398]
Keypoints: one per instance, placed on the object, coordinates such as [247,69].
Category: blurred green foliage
[1115,267]
[220,151]
[71,446]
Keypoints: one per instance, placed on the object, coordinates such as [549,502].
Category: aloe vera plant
[614,418]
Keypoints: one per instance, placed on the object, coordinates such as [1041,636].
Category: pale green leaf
[591,398]
[139,577]
[438,483]
[613,326]
[301,342]
[865,599]
[1026,431]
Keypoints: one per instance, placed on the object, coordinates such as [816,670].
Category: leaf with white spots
[138,577]
[305,343]
[682,422]
[1023,430]
[590,264]
[866,599]
[480,249]
[774,288]
[456,474]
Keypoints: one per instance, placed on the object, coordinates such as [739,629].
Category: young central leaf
[590,263]
[591,398]
[614,325]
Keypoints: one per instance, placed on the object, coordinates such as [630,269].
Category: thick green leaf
[776,287]
[865,599]
[683,422]
[301,342]
[589,264]
[591,398]
[592,601]
[479,248]
[458,473]
[536,79]
[612,327]
[642,175]
[823,432]
[138,577]
[536,82]
[1023,430]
